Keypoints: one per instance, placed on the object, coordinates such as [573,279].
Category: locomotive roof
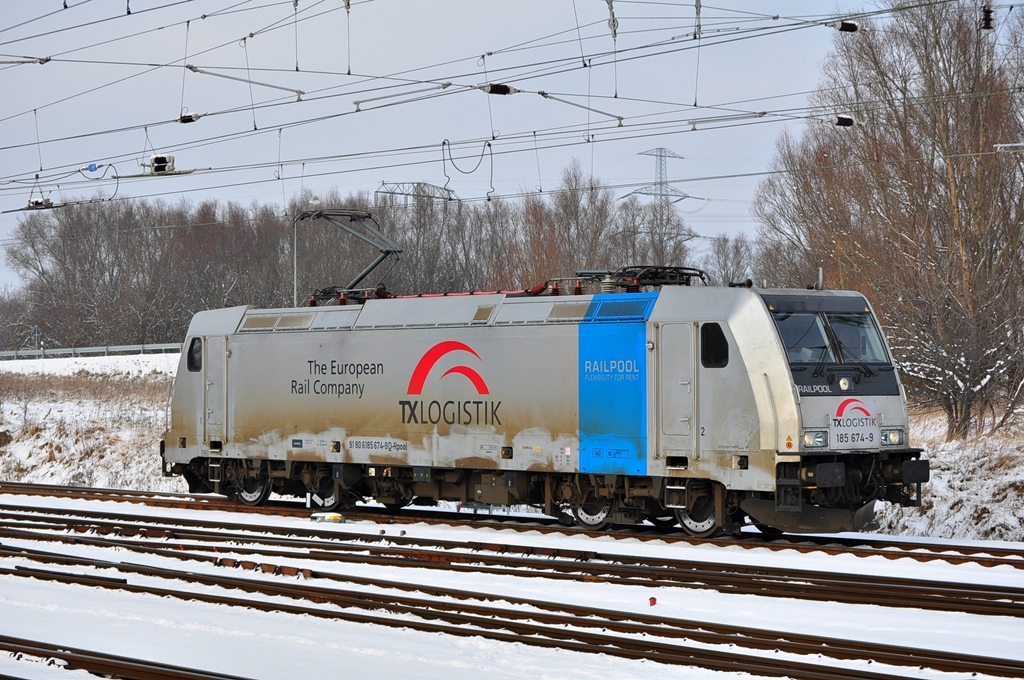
[788,300]
[498,309]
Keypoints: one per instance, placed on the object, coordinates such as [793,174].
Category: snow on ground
[86,421]
[976,489]
[96,421]
[272,645]
[120,365]
[259,644]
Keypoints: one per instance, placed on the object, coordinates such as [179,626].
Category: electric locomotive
[656,399]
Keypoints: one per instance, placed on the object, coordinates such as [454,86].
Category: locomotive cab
[851,448]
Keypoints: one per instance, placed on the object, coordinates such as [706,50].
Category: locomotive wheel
[255,491]
[593,513]
[699,521]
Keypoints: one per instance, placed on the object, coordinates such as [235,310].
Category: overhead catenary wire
[579,35]
[94,23]
[566,130]
[621,186]
[674,126]
[420,163]
[245,48]
[954,95]
[803,24]
[613,26]
[181,109]
[153,67]
[43,16]
[348,36]
[569,141]
[368,78]
[697,35]
[39,147]
[252,106]
[295,25]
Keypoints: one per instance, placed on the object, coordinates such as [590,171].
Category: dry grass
[19,387]
[87,429]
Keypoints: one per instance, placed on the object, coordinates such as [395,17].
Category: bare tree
[729,260]
[123,272]
[914,205]
[15,327]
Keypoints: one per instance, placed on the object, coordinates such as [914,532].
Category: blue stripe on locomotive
[613,384]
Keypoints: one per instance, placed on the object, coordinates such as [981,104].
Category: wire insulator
[844,26]
[844,121]
[499,88]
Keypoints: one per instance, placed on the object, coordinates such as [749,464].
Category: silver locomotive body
[692,404]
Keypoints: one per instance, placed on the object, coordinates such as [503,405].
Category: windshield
[858,337]
[805,338]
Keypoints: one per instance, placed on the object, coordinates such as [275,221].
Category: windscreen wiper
[819,370]
[858,363]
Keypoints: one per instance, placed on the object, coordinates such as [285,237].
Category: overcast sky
[113,85]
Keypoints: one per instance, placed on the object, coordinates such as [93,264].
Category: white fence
[91,351]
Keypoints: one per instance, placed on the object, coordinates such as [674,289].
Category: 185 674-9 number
[855,437]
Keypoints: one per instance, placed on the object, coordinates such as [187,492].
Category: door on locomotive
[215,391]
[676,414]
[675,376]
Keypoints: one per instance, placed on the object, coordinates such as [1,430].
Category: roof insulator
[844,26]
[987,23]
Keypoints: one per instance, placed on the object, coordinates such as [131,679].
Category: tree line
[920,203]
[135,271]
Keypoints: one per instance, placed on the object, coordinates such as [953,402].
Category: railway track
[105,665]
[209,540]
[531,622]
[987,556]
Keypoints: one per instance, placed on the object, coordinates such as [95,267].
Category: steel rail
[108,665]
[861,547]
[574,566]
[533,624]
[701,631]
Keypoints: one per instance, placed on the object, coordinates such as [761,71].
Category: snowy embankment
[97,421]
[86,421]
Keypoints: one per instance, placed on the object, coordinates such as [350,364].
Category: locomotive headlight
[845,384]
[892,437]
[815,439]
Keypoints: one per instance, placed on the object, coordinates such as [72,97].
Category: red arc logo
[850,404]
[433,355]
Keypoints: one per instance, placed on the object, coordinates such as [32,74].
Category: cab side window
[194,358]
[714,348]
